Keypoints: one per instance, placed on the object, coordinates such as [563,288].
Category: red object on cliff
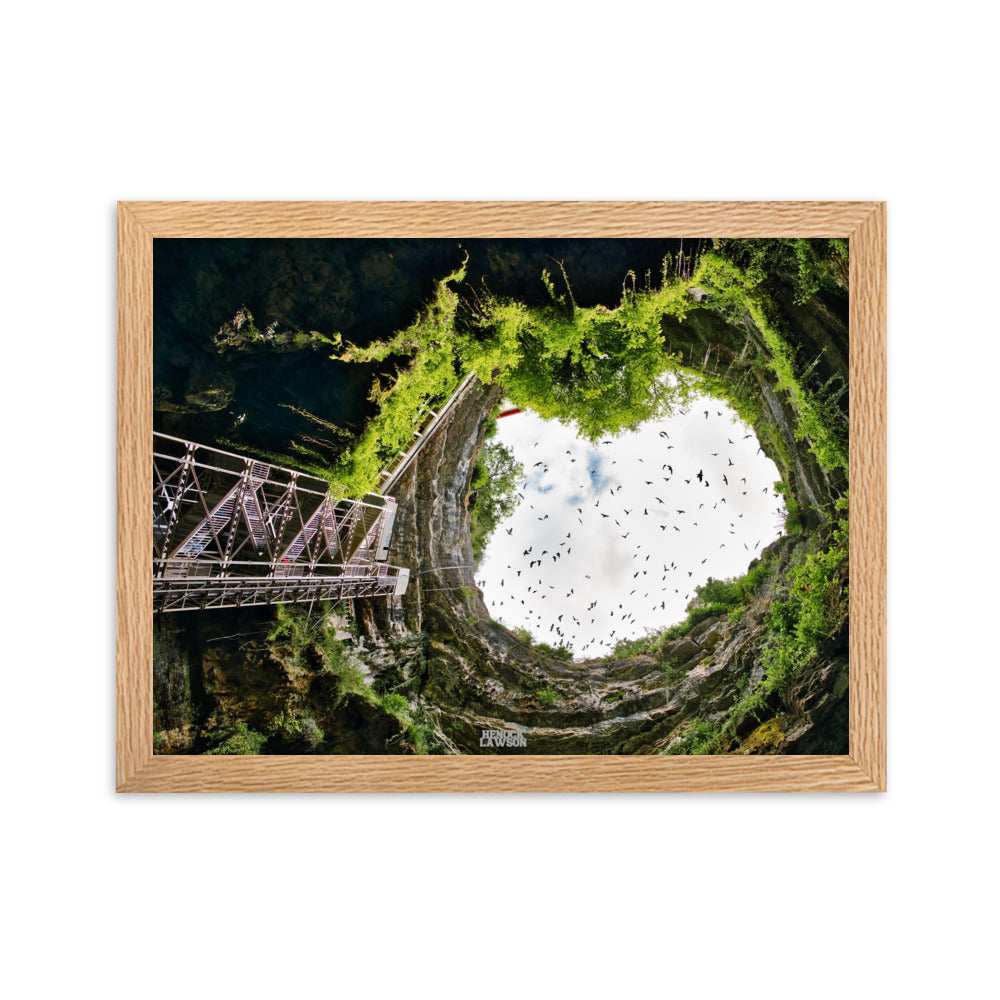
[508,413]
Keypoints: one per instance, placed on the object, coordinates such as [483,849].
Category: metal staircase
[231,531]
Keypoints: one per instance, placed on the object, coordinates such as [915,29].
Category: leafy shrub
[695,617]
[497,480]
[816,606]
[556,652]
[237,740]
[290,728]
[548,695]
[641,645]
[702,737]
[396,704]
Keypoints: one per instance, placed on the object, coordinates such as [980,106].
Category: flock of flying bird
[597,626]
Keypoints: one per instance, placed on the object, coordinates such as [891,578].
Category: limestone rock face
[478,676]
[467,673]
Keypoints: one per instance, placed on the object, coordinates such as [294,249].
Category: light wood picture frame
[863,768]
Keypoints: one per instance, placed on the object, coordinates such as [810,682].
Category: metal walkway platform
[231,531]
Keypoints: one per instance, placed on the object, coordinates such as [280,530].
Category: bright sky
[614,537]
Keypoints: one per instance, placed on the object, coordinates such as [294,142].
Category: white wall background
[482,897]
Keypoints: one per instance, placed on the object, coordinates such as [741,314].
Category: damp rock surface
[480,677]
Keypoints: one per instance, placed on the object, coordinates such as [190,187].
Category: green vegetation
[288,728]
[237,740]
[298,637]
[645,645]
[556,652]
[304,642]
[598,368]
[549,695]
[700,737]
[428,378]
[497,479]
[810,265]
[712,599]
[793,516]
[604,370]
[607,371]
[718,597]
[814,610]
[242,331]
[816,607]
[736,292]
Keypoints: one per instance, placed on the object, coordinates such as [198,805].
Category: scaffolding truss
[231,531]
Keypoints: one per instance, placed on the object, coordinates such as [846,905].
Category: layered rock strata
[472,674]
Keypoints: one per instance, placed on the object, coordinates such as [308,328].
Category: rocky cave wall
[474,674]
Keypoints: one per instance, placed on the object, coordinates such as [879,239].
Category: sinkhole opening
[609,541]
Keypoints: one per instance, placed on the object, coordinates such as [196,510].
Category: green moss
[767,738]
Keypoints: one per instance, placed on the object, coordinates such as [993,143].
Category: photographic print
[518,497]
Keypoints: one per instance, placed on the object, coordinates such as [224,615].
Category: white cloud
[622,541]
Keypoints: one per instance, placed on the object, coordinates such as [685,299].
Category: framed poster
[501,496]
